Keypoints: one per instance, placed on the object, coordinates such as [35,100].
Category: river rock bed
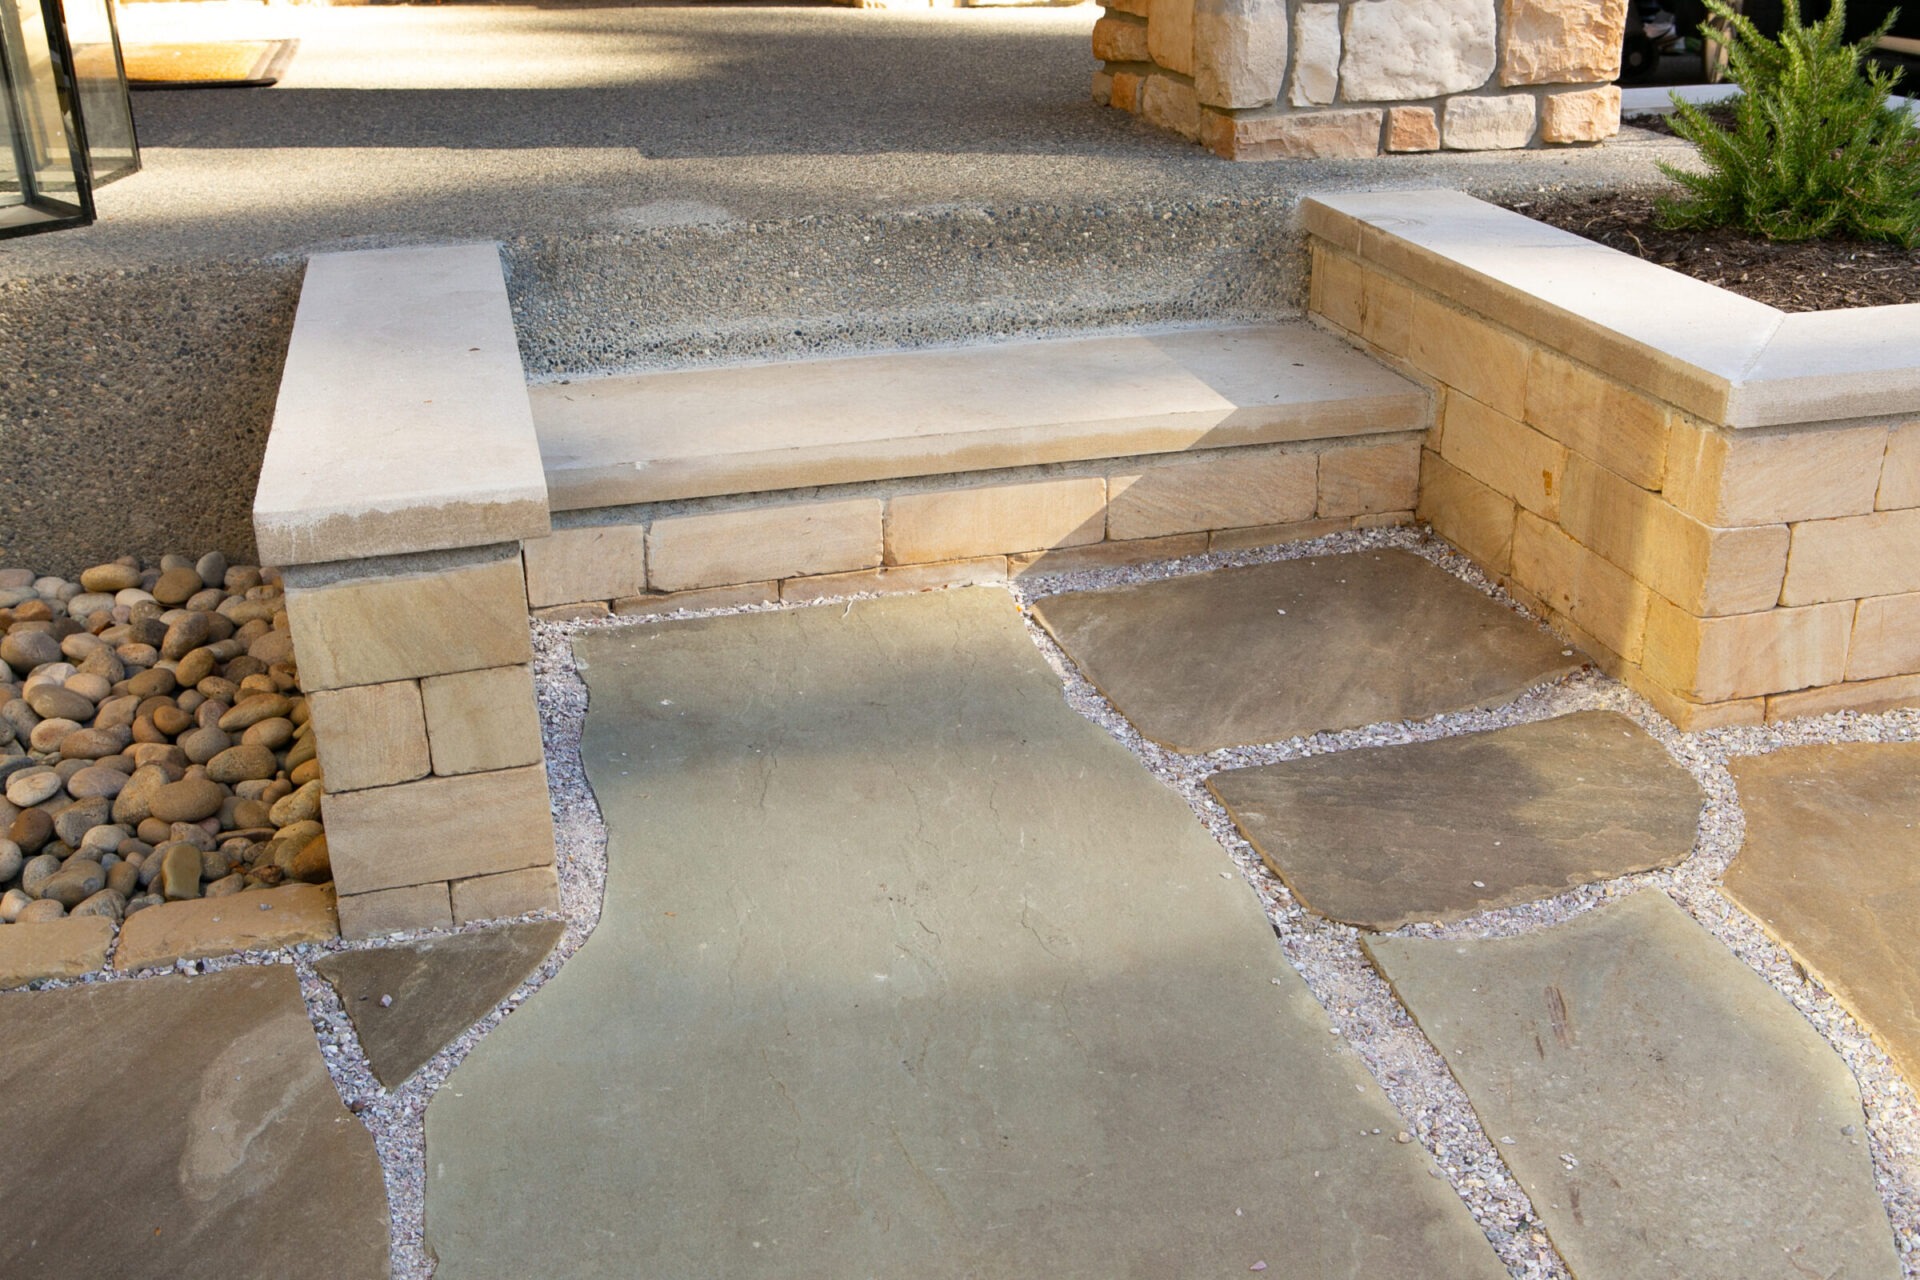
[154,742]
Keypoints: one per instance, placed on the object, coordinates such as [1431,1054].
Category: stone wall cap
[1728,359]
[403,423]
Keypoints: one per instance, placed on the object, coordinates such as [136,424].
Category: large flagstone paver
[180,1127]
[1439,830]
[1831,867]
[907,970]
[1269,651]
[1668,1112]
[408,1002]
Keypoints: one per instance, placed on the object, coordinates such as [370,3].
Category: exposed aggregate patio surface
[1357,1003]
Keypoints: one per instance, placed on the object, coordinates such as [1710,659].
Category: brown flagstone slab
[1438,830]
[201,927]
[64,948]
[1270,651]
[1831,868]
[180,1127]
[408,1002]
[1669,1113]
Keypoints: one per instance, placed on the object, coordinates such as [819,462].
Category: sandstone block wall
[1280,79]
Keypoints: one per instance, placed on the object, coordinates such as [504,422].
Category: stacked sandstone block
[1272,79]
[1737,553]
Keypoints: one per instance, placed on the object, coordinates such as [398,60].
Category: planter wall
[1273,79]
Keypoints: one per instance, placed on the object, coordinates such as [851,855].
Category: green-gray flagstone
[1669,1113]
[1271,651]
[906,970]
[1438,830]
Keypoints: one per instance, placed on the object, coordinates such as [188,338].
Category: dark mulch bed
[1817,275]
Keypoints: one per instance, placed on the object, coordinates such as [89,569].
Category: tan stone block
[1689,716]
[724,548]
[1585,115]
[1466,513]
[259,920]
[1386,306]
[373,735]
[1399,50]
[734,597]
[1488,124]
[1170,34]
[1192,495]
[370,631]
[1316,55]
[1362,301]
[1334,286]
[439,829]
[1502,453]
[513,893]
[1239,51]
[1274,535]
[978,571]
[1854,557]
[596,562]
[1102,88]
[1561,41]
[1900,474]
[1383,519]
[1137,8]
[1886,637]
[64,948]
[1600,598]
[1866,696]
[1609,422]
[1303,135]
[1412,129]
[1772,477]
[479,721]
[1170,104]
[955,524]
[1363,479]
[1105,555]
[1746,655]
[584,611]
[417,906]
[1126,91]
[1464,351]
[1703,569]
[1120,39]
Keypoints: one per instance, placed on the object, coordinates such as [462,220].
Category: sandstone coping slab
[1721,356]
[906,969]
[180,1127]
[408,1002]
[63,948]
[1667,1111]
[1386,836]
[1271,651]
[694,433]
[402,423]
[202,927]
[1831,868]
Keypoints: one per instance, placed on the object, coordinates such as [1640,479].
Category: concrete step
[664,436]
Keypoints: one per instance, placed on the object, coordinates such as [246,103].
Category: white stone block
[1400,49]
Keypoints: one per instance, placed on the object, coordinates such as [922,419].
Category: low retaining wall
[1278,79]
[1719,501]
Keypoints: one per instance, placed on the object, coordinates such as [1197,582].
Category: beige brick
[479,721]
[1190,495]
[726,547]
[1102,555]
[1585,115]
[371,736]
[1360,300]
[1854,558]
[911,577]
[1607,421]
[1464,351]
[1747,655]
[1334,286]
[201,927]
[1704,570]
[1900,474]
[1502,453]
[439,829]
[1170,34]
[1412,129]
[956,524]
[1298,135]
[1273,535]
[374,630]
[1772,477]
[1170,104]
[1689,716]
[1125,94]
[1886,638]
[1868,696]
[1120,39]
[591,563]
[1466,513]
[652,606]
[1600,598]
[1365,479]
[64,948]
[417,906]
[513,893]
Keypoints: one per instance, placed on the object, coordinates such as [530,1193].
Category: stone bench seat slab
[656,437]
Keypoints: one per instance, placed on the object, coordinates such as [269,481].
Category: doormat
[221,64]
